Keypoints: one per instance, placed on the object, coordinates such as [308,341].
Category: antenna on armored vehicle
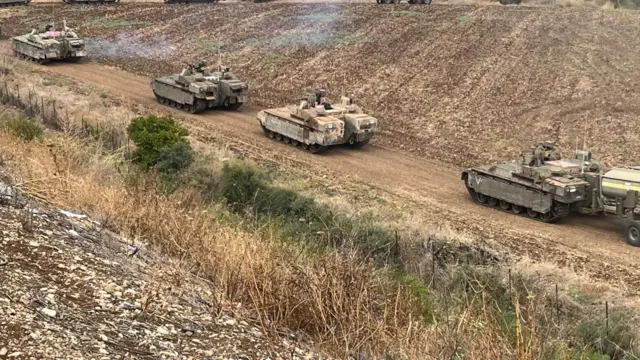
[219,58]
[584,145]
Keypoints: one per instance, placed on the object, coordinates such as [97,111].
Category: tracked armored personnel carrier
[96,2]
[189,1]
[46,44]
[424,2]
[541,185]
[195,89]
[5,3]
[316,124]
[546,187]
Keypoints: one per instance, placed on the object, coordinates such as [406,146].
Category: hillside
[460,83]
[365,251]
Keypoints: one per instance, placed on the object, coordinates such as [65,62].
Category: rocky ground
[70,289]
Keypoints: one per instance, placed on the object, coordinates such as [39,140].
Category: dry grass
[72,100]
[343,304]
[330,296]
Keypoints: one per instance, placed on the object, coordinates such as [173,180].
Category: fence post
[606,310]
[433,263]
[557,306]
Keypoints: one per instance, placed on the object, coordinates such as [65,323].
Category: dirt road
[593,245]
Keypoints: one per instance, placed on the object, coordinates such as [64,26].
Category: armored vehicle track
[7,3]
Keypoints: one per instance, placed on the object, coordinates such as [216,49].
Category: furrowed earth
[452,85]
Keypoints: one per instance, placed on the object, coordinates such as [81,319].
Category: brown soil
[454,84]
[592,246]
[459,83]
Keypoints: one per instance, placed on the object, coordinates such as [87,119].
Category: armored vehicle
[195,89]
[316,124]
[544,186]
[91,1]
[45,44]
[5,3]
[509,2]
[189,1]
[427,2]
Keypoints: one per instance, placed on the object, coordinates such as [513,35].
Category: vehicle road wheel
[504,205]
[517,209]
[632,233]
[294,142]
[493,201]
[279,137]
[271,135]
[546,217]
[286,140]
[481,198]
[316,149]
[360,144]
[265,130]
[532,213]
[235,106]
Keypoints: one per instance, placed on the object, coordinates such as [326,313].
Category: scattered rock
[3,351]
[162,331]
[48,312]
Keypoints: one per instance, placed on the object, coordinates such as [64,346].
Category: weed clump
[24,128]
[615,339]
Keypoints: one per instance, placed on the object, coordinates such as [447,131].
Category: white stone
[48,312]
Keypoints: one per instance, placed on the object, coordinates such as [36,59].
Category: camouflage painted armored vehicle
[45,44]
[541,185]
[195,89]
[509,2]
[425,2]
[189,1]
[316,124]
[5,3]
[91,1]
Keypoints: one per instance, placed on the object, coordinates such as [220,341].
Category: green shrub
[24,128]
[157,143]
[616,342]
[175,158]
[240,185]
[244,187]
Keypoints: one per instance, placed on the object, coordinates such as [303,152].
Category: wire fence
[56,117]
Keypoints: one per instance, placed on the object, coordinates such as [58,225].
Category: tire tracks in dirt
[592,245]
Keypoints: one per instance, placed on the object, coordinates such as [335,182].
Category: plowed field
[454,84]
[459,83]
